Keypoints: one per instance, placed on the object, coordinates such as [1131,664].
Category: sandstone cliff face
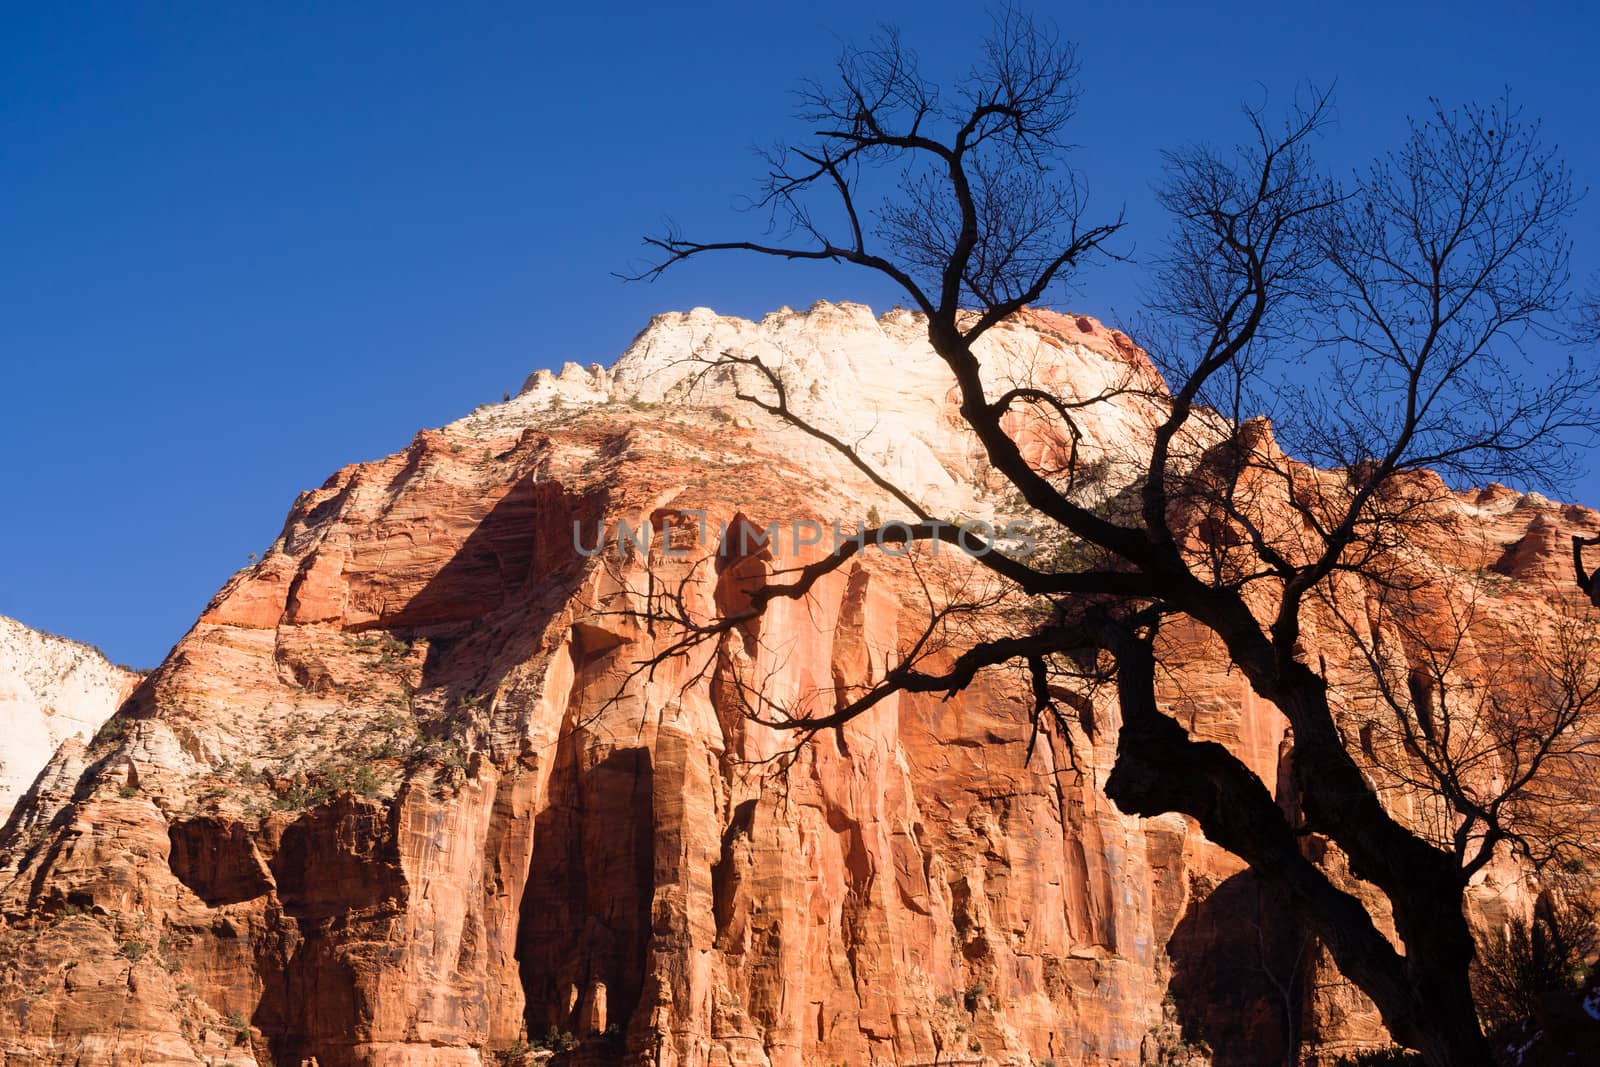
[51,689]
[404,795]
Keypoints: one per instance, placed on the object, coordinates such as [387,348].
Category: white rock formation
[872,381]
[51,689]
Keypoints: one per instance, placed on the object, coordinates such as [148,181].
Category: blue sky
[243,245]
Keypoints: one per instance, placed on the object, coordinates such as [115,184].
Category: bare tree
[1286,984]
[1485,721]
[1549,952]
[1380,321]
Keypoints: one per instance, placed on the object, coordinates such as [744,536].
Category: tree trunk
[1447,1030]
[1423,997]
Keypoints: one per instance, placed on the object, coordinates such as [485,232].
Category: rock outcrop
[405,795]
[51,690]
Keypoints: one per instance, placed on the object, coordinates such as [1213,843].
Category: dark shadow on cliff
[515,561]
[485,613]
[1238,960]
[585,928]
[340,887]
[482,615]
[584,914]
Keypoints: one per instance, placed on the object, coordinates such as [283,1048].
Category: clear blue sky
[243,245]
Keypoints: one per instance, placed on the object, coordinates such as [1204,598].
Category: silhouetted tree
[1549,952]
[1378,320]
[1587,581]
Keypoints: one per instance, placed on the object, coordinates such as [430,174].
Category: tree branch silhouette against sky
[243,249]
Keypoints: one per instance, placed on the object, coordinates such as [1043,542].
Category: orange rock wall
[404,796]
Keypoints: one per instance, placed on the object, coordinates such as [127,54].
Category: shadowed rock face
[403,796]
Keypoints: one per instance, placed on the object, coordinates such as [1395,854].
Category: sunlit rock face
[51,689]
[404,795]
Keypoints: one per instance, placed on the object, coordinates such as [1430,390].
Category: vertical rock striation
[404,795]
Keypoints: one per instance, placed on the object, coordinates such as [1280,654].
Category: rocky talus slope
[51,689]
[402,796]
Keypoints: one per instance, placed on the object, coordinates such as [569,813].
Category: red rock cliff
[402,796]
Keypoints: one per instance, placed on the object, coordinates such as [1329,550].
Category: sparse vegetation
[1394,1056]
[306,790]
[1174,1047]
[1553,951]
[450,752]
[555,1040]
[974,994]
[68,912]
[111,731]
